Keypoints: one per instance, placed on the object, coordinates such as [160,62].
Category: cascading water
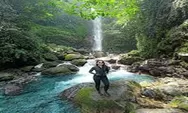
[97,33]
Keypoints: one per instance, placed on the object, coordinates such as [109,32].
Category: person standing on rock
[101,70]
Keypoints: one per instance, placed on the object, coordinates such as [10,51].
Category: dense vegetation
[158,26]
[28,26]
[153,28]
[117,39]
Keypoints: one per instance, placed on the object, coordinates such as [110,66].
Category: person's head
[100,63]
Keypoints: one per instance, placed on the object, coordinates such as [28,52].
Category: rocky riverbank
[13,81]
[162,96]
[158,67]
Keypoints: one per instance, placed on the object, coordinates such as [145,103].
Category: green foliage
[147,47]
[38,9]
[57,48]
[17,49]
[117,39]
[91,9]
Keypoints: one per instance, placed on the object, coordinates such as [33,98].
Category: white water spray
[97,33]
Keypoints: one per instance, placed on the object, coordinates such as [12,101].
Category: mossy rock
[50,57]
[79,62]
[134,53]
[61,70]
[50,64]
[184,65]
[122,99]
[180,102]
[84,99]
[128,60]
[6,76]
[70,57]
[27,68]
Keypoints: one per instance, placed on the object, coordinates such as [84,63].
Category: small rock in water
[13,89]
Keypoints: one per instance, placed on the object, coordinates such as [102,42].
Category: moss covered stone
[79,62]
[50,57]
[180,102]
[61,70]
[70,57]
[84,98]
[128,60]
[122,99]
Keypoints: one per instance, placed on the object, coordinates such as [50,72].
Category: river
[42,96]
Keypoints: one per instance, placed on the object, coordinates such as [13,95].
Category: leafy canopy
[90,9]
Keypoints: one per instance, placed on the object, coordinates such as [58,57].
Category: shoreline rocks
[129,96]
[160,68]
[16,86]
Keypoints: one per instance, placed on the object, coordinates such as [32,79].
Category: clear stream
[42,96]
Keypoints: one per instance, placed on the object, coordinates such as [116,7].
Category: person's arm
[91,70]
[107,69]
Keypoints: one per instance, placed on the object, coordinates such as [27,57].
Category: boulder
[70,57]
[153,93]
[183,56]
[111,61]
[126,60]
[98,54]
[79,62]
[50,57]
[82,51]
[130,97]
[168,110]
[180,102]
[50,64]
[160,68]
[61,56]
[27,68]
[123,94]
[5,76]
[12,89]
[60,70]
[116,67]
[71,67]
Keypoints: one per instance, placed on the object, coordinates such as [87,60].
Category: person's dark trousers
[98,80]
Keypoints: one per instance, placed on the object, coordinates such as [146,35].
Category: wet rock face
[161,96]
[160,68]
[98,54]
[6,76]
[159,111]
[122,93]
[79,62]
[60,70]
[73,56]
[13,89]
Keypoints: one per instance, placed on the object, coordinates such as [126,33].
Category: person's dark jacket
[99,71]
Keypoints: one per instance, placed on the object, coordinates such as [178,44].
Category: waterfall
[97,33]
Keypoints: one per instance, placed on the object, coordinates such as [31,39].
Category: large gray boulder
[60,70]
[123,93]
[70,57]
[50,57]
[79,62]
[5,76]
[128,60]
[12,89]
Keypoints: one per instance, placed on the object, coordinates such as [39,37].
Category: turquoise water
[42,96]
